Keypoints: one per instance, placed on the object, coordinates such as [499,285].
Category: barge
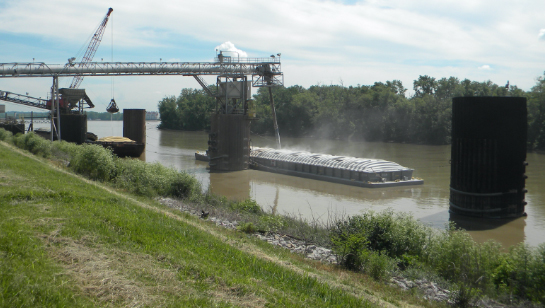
[354,171]
[202,156]
[122,146]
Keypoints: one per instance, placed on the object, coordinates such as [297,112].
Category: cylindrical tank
[488,156]
[14,128]
[229,142]
[74,128]
[134,124]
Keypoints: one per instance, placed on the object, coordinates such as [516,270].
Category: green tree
[190,111]
[168,110]
[536,115]
[195,107]
[424,85]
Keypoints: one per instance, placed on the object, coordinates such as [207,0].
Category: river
[323,201]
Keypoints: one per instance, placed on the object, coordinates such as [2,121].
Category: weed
[247,227]
[271,223]
[248,206]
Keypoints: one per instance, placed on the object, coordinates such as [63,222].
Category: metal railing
[231,59]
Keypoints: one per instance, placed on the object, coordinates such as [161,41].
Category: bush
[347,246]
[5,135]
[247,227]
[377,264]
[183,185]
[375,243]
[527,278]
[154,179]
[396,234]
[63,149]
[457,257]
[93,161]
[248,206]
[271,223]
[33,143]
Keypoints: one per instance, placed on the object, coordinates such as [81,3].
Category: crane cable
[112,107]
[112,31]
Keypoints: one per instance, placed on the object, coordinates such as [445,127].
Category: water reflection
[235,185]
[506,231]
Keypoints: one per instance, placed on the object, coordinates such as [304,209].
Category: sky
[322,42]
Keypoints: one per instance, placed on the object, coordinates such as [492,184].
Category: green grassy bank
[66,241]
[46,206]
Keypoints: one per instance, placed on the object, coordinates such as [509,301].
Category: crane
[91,50]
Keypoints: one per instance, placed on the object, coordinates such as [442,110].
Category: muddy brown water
[318,200]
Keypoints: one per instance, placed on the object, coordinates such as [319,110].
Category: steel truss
[265,72]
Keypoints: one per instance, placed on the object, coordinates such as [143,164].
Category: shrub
[396,234]
[33,143]
[154,179]
[247,227]
[5,135]
[248,206]
[347,246]
[93,161]
[374,243]
[377,264]
[527,272]
[63,149]
[271,223]
[457,257]
[184,185]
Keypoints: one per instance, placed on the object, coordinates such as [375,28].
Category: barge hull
[321,177]
[124,149]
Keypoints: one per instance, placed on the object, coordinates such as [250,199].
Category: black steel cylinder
[134,124]
[13,128]
[229,142]
[74,128]
[488,156]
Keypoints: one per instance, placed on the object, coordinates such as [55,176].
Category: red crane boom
[91,50]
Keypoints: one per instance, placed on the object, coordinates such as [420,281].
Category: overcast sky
[321,42]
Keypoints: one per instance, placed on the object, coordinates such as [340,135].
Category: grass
[106,227]
[65,241]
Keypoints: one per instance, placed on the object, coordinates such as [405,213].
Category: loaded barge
[363,172]
[122,146]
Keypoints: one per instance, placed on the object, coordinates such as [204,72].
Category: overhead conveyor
[264,71]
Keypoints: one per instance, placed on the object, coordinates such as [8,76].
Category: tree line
[105,116]
[378,112]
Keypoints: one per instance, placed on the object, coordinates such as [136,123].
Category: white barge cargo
[355,171]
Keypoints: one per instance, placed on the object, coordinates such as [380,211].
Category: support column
[274,119]
[58,107]
[55,129]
